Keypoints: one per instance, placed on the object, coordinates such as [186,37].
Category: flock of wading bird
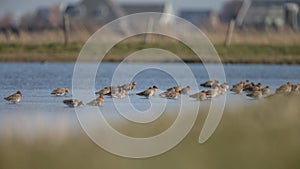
[252,90]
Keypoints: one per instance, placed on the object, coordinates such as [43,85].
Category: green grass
[39,48]
[268,54]
[254,50]
[236,53]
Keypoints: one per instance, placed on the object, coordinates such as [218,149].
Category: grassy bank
[236,53]
[264,134]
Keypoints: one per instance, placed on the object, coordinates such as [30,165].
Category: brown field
[270,37]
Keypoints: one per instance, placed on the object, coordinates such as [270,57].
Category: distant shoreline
[235,54]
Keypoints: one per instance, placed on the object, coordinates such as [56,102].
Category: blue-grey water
[38,109]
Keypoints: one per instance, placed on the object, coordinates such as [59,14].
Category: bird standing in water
[14,98]
[266,90]
[149,92]
[255,95]
[104,91]
[185,90]
[97,102]
[60,91]
[286,88]
[73,103]
[170,94]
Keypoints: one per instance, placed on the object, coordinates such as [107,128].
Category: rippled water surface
[36,81]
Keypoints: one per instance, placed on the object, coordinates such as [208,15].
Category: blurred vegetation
[51,52]
[262,134]
[236,53]
[267,54]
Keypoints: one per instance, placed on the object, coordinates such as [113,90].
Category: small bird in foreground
[60,91]
[73,103]
[212,92]
[242,83]
[266,90]
[170,94]
[104,91]
[257,87]
[114,90]
[200,95]
[286,88]
[185,90]
[225,86]
[209,83]
[238,89]
[296,88]
[128,87]
[149,92]
[97,102]
[249,87]
[155,89]
[119,95]
[255,95]
[14,98]
[178,88]
[222,89]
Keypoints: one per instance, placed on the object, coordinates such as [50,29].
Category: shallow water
[38,110]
